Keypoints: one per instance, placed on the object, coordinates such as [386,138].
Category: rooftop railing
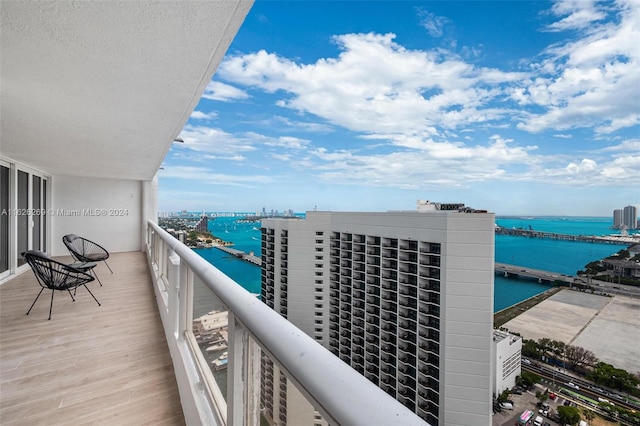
[193,297]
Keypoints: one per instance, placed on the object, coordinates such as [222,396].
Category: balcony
[119,362]
[117,367]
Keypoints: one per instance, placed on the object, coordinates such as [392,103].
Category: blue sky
[517,107]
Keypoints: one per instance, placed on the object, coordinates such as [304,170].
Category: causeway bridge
[241,255]
[520,232]
[526,272]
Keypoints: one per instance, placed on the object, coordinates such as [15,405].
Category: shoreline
[503,316]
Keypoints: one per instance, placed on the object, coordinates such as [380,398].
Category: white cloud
[200,115]
[376,85]
[213,140]
[590,81]
[432,23]
[218,91]
[577,14]
[207,176]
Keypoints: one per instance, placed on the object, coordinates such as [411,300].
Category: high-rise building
[618,218]
[630,217]
[403,297]
[203,224]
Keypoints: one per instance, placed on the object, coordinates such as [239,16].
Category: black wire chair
[83,250]
[55,275]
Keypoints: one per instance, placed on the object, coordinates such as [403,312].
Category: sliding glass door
[4,220]
[23,219]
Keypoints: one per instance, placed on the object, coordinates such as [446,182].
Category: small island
[192,231]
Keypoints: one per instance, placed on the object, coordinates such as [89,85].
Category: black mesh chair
[54,275]
[83,250]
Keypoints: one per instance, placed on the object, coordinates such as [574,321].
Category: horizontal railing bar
[340,393]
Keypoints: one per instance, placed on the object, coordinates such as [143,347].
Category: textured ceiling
[102,88]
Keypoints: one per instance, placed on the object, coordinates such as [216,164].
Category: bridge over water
[622,240]
[525,271]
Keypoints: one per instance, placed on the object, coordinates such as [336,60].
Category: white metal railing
[338,392]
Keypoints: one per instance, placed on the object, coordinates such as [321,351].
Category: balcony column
[243,376]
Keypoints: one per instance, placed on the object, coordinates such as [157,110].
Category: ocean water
[564,257]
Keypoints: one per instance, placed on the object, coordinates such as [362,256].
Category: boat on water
[221,362]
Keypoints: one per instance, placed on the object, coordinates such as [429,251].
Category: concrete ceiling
[102,88]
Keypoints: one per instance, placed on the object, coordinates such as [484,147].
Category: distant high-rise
[203,224]
[618,218]
[630,217]
[404,297]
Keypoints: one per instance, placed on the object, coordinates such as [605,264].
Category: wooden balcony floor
[98,365]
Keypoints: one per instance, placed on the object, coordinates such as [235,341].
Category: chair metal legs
[34,302]
[92,272]
[52,293]
[94,298]
[105,262]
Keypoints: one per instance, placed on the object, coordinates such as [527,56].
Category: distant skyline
[517,107]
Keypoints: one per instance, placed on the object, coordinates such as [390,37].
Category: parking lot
[526,401]
[582,319]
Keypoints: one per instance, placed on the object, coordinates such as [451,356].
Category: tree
[504,396]
[528,379]
[588,414]
[616,378]
[530,349]
[544,345]
[580,357]
[568,415]
[558,349]
[542,396]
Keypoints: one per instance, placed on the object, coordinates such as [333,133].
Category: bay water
[563,257]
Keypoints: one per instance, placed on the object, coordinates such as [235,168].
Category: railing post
[173,291]
[243,376]
[185,301]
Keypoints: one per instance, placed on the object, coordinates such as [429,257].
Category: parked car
[506,406]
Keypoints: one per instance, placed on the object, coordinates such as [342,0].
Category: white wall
[106,211]
[507,353]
